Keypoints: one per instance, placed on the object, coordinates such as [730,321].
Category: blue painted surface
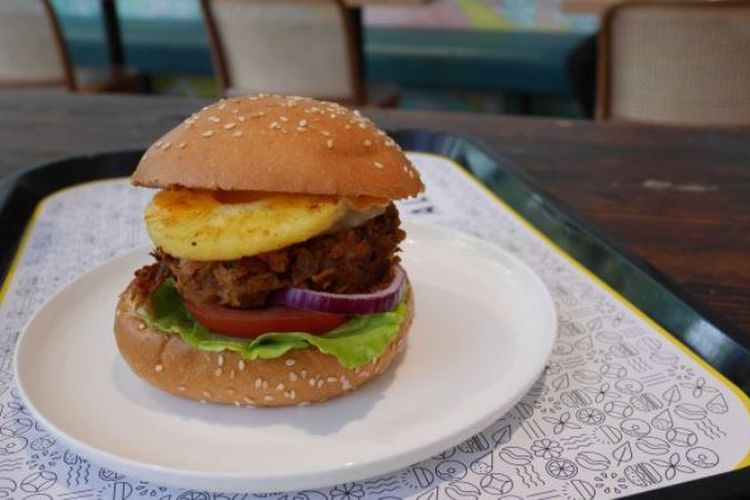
[494,61]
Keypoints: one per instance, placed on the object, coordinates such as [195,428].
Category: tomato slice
[252,323]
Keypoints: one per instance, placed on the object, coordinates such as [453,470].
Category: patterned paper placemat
[621,408]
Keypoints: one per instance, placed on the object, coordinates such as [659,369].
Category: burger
[276,277]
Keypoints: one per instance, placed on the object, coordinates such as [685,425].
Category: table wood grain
[678,197]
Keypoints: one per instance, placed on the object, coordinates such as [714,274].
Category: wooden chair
[32,50]
[299,47]
[675,62]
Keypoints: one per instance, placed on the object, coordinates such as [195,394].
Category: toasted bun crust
[300,377]
[280,144]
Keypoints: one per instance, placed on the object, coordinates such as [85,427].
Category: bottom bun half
[300,377]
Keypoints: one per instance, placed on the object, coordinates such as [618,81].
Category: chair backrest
[302,47]
[32,51]
[675,62]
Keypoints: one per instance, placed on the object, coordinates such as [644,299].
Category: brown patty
[356,260]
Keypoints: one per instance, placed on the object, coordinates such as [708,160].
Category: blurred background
[677,62]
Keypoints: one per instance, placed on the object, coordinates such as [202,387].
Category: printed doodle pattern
[618,410]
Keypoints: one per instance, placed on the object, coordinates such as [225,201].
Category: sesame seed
[283,119]
[182,145]
[258,383]
[303,123]
[237,133]
[320,383]
[380,132]
[237,403]
[274,125]
[207,133]
[241,118]
[378,164]
[331,379]
[268,398]
[292,377]
[347,126]
[368,142]
[304,403]
[182,388]
[141,325]
[241,364]
[220,360]
[329,143]
[166,146]
[222,106]
[230,126]
[252,98]
[357,113]
[312,382]
[158,144]
[248,400]
[290,362]
[325,133]
[214,119]
[301,129]
[207,394]
[235,111]
[280,387]
[159,368]
[232,373]
[362,125]
[303,373]
[364,373]
[218,372]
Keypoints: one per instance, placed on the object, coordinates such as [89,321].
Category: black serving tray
[720,344]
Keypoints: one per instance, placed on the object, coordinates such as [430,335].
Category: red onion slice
[362,303]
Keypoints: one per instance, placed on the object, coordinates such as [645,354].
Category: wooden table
[680,198]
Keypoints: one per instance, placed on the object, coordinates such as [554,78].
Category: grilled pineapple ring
[210,225]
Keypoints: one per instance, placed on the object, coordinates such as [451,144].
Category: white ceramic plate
[484,328]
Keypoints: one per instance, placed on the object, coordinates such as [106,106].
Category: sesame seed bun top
[280,144]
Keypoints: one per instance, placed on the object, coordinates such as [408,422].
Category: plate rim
[266,483]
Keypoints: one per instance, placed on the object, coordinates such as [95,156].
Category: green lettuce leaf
[355,343]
